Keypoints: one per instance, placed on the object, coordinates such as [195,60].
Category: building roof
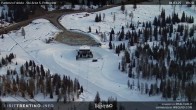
[84,47]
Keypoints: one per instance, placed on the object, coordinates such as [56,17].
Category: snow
[35,35]
[82,22]
[102,76]
[143,13]
[40,21]
[84,47]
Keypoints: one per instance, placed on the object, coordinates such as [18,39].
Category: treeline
[88,2]
[162,20]
[161,25]
[119,48]
[33,79]
[17,13]
[84,2]
[8,59]
[161,52]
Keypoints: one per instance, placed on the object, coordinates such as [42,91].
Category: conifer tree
[2,36]
[122,6]
[97,98]
[111,35]
[23,32]
[127,57]
[96,18]
[89,29]
[83,3]
[155,21]
[2,14]
[99,17]
[81,89]
[88,3]
[134,5]
[121,37]
[183,17]
[110,45]
[51,94]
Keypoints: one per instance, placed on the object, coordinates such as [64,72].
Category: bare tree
[131,16]
[23,32]
[128,84]
[103,16]
[114,17]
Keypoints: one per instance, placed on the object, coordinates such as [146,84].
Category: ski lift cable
[27,54]
[24,49]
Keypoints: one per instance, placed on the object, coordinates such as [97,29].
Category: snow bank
[40,21]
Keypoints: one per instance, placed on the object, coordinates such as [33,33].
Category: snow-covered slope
[102,76]
[143,13]
[14,42]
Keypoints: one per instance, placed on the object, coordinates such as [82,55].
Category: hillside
[131,66]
